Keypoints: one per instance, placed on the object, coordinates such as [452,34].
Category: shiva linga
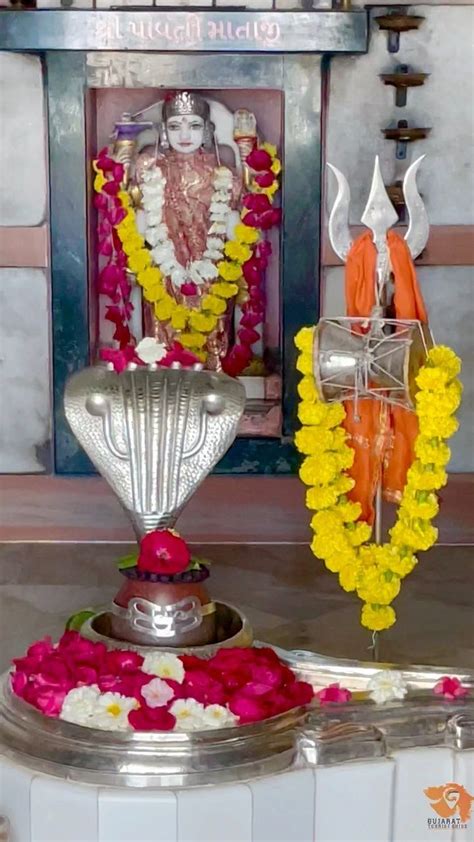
[154,434]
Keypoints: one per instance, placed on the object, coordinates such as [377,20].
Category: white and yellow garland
[219,276]
[374,572]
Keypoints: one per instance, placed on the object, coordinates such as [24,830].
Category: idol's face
[186,133]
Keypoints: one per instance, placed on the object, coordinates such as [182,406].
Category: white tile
[464,775]
[62,811]
[416,770]
[15,784]
[353,802]
[135,815]
[56,4]
[22,141]
[24,370]
[215,814]
[249,4]
[283,807]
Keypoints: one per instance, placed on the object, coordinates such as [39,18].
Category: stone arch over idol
[186,223]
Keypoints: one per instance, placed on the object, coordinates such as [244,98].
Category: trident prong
[418,227]
[379,214]
[338,227]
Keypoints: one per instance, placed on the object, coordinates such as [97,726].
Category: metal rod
[378,540]
[378,514]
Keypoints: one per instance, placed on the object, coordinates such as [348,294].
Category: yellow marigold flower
[311,440]
[276,167]
[304,340]
[321,497]
[348,511]
[127,231]
[378,586]
[431,403]
[432,378]
[224,290]
[99,181]
[307,388]
[417,534]
[215,305]
[202,322]
[304,363]
[154,292]
[149,277]
[348,577]
[193,340]
[345,457]
[430,452]
[245,234]
[377,617]
[438,427]
[335,415]
[335,563]
[237,251]
[133,244]
[398,560]
[124,198]
[319,470]
[139,260]
[270,148]
[164,308]
[333,546]
[228,270]
[344,484]
[312,414]
[423,478]
[270,191]
[445,357]
[179,317]
[419,504]
[326,521]
[358,533]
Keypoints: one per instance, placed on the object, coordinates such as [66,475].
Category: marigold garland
[244,260]
[340,537]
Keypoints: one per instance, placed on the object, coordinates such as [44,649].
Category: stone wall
[359,106]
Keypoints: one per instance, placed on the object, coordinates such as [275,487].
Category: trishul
[379,216]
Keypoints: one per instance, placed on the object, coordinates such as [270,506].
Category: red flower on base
[163,551]
[450,688]
[334,694]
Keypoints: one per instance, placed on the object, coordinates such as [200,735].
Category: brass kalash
[154,434]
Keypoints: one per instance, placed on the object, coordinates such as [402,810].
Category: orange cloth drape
[383,438]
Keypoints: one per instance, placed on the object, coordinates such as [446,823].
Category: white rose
[387,685]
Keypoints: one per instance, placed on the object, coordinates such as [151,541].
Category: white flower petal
[218,716]
[178,276]
[149,350]
[164,666]
[188,713]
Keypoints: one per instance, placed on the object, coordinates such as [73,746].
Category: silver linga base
[304,737]
[231,629]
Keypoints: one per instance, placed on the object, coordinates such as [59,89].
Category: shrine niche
[247,87]
[187,197]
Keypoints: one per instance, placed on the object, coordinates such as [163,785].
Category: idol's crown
[185,103]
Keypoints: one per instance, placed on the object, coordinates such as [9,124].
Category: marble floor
[288,596]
